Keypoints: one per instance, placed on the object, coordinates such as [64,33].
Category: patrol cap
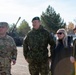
[36,18]
[2,24]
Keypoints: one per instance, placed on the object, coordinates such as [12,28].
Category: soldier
[74,43]
[35,48]
[74,30]
[73,58]
[8,51]
[74,47]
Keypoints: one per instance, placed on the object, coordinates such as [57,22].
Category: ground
[21,66]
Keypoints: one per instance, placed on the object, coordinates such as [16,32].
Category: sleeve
[25,47]
[14,50]
[70,45]
[52,43]
[74,48]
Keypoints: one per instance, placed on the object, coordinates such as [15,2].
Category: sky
[11,10]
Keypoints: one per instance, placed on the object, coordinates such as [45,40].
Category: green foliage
[23,28]
[51,20]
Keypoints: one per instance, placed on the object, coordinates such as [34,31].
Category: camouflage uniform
[8,52]
[74,43]
[35,50]
[74,48]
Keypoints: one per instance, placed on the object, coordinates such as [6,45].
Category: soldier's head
[36,22]
[3,24]
[74,30]
[3,28]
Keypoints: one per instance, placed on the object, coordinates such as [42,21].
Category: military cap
[36,18]
[3,24]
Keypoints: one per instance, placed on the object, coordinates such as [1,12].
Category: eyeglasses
[59,33]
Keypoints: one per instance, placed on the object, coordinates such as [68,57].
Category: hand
[27,60]
[49,59]
[72,59]
[13,62]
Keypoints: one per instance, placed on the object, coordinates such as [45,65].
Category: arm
[73,57]
[52,42]
[14,53]
[74,48]
[25,48]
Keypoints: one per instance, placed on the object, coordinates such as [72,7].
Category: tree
[70,28]
[51,20]
[24,28]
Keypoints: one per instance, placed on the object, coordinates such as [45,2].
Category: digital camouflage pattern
[35,48]
[8,52]
[74,54]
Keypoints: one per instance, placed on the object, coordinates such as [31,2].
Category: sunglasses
[59,33]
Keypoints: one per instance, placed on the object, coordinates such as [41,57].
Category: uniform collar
[4,37]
